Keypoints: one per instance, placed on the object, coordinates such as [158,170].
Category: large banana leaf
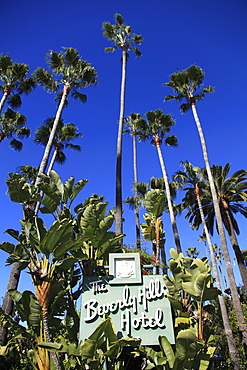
[52,197]
[77,188]
[7,247]
[28,307]
[19,190]
[58,234]
[167,349]
[69,243]
[155,202]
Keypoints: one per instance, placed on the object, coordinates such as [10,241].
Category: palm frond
[136,51]
[16,145]
[74,147]
[132,201]
[119,19]
[169,97]
[185,107]
[27,86]
[19,71]
[78,96]
[171,140]
[14,101]
[137,39]
[109,31]
[45,79]
[23,132]
[110,49]
[60,157]
[71,56]
[55,61]
[121,36]
[5,63]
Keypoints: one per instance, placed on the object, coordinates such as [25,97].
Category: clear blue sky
[209,33]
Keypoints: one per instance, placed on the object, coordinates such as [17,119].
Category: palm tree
[156,128]
[191,181]
[122,37]
[231,192]
[13,124]
[74,74]
[14,82]
[131,123]
[185,85]
[65,133]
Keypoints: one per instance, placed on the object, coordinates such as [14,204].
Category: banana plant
[94,223]
[187,353]
[58,196]
[52,254]
[101,350]
[152,230]
[193,277]
[92,219]
[48,255]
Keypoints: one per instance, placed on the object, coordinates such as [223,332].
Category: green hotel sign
[138,309]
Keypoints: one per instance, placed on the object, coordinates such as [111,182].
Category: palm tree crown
[121,36]
[157,127]
[231,192]
[185,85]
[14,81]
[74,73]
[65,133]
[131,128]
[13,124]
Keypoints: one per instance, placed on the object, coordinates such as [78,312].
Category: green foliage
[189,353]
[14,80]
[185,85]
[121,35]
[157,125]
[231,192]
[65,133]
[13,124]
[74,73]
[222,358]
[193,277]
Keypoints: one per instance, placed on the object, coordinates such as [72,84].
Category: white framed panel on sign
[125,268]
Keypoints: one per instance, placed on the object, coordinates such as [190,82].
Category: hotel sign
[138,309]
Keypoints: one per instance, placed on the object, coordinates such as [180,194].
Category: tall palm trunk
[52,161]
[13,283]
[238,254]
[6,93]
[8,302]
[233,287]
[137,220]
[119,225]
[48,147]
[234,354]
[168,196]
